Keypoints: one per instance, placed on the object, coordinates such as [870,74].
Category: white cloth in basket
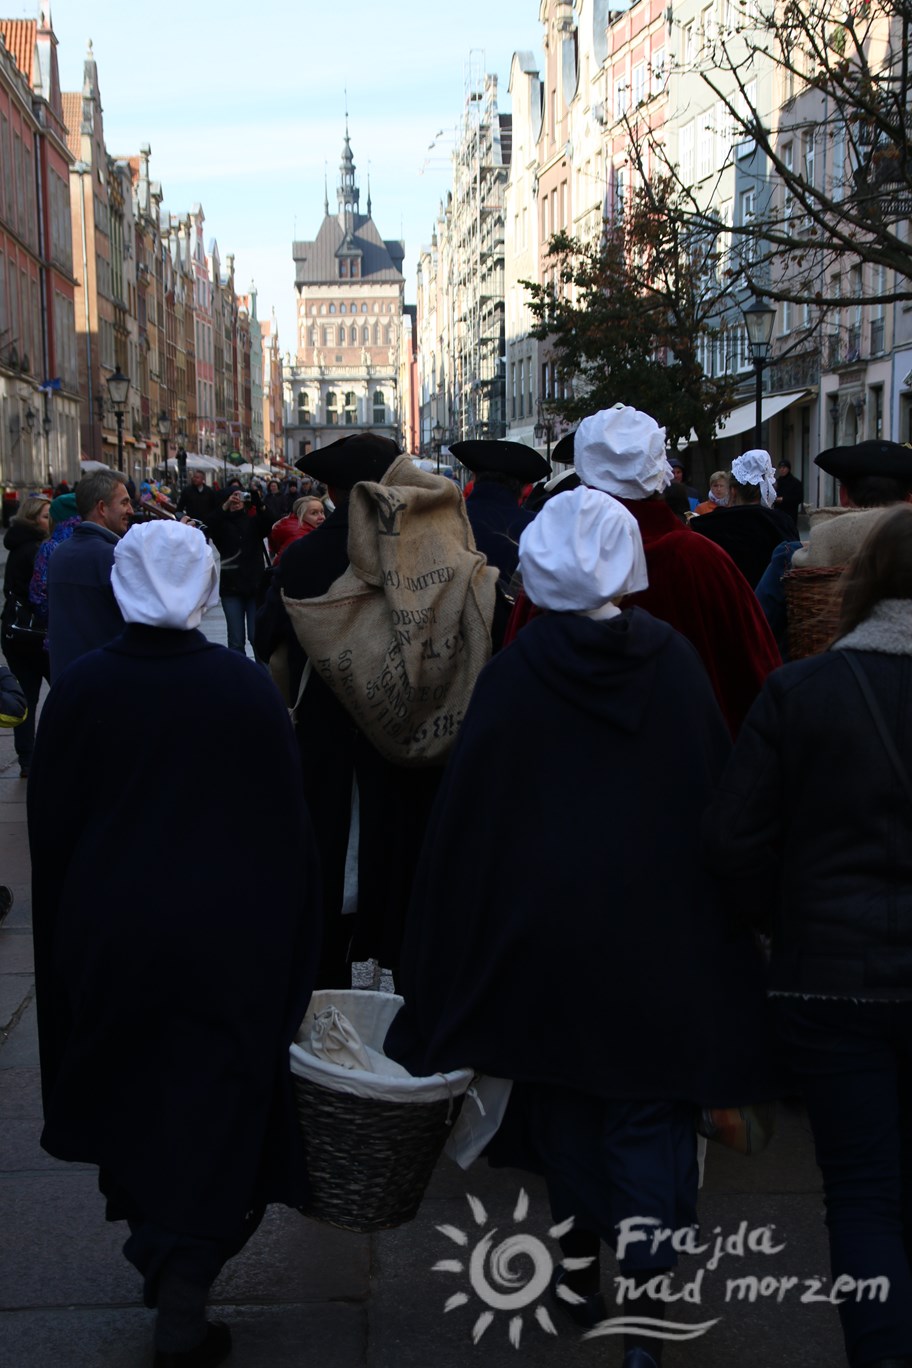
[335,1039]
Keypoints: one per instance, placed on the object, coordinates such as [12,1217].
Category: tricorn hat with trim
[505,458]
[345,463]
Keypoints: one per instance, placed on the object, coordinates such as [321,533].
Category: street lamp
[118,390]
[437,441]
[164,431]
[543,432]
[759,320]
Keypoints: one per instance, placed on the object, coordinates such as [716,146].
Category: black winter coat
[814,831]
[21,541]
[238,538]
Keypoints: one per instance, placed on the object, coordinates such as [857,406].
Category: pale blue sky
[243,104]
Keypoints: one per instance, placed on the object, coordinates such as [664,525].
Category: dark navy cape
[749,533]
[562,928]
[174,960]
[497,523]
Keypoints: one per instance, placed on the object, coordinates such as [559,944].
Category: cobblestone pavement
[303,1295]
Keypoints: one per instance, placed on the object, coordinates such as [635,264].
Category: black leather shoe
[214,1349]
[587,1312]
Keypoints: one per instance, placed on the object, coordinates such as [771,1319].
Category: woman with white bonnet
[173,967]
[594,977]
[751,528]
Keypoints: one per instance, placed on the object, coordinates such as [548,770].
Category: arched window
[341,334]
[343,308]
[326,337]
[379,407]
[364,308]
[303,448]
[322,308]
[303,408]
[353,337]
[332,308]
[365,334]
[376,334]
[332,408]
[351,409]
[313,308]
[312,336]
[389,336]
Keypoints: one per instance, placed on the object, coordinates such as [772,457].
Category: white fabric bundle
[622,451]
[583,550]
[164,575]
[756,468]
[335,1039]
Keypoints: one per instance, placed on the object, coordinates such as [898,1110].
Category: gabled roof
[72,117]
[316,261]
[19,37]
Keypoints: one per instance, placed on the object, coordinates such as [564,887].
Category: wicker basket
[369,1158]
[812,604]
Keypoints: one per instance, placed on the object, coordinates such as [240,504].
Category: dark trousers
[854,1062]
[30,664]
[240,618]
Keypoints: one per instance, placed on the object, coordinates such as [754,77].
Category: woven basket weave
[371,1140]
[369,1162]
[812,603]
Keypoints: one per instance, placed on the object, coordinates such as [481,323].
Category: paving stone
[20,1094]
[15,989]
[21,1047]
[293,1259]
[331,1336]
[17,955]
[22,1152]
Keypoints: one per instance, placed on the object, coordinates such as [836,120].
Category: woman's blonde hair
[30,510]
[297,507]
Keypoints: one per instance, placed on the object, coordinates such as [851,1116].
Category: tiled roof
[19,37]
[316,261]
[72,117]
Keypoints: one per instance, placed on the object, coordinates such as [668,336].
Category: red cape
[696,587]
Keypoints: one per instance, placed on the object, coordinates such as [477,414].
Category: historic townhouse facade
[39,379]
[348,370]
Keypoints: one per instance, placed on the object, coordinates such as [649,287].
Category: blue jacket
[82,610]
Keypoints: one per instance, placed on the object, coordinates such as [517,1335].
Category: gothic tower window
[341,334]
[379,407]
[365,335]
[303,408]
[332,408]
[353,337]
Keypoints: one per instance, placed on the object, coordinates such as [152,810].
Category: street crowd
[536,754]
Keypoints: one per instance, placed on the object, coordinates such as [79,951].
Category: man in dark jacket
[238,527]
[82,611]
[198,500]
[343,773]
[789,491]
[501,470]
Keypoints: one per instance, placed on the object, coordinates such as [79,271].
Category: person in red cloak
[694,585]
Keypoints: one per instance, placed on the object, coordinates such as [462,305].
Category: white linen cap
[164,575]
[622,451]
[583,550]
[756,468]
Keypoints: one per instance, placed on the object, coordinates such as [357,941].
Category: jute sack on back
[401,637]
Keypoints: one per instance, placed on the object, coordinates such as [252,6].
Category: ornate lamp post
[164,432]
[543,432]
[118,390]
[759,320]
[181,459]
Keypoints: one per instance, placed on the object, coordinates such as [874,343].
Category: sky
[244,106]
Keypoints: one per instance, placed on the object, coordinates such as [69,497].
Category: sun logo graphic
[509,1276]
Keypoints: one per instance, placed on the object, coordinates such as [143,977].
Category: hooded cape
[568,936]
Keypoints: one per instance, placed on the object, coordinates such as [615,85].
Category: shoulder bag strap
[879,722]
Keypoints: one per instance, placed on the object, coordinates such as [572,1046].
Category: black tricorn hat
[563,452]
[345,463]
[892,459]
[506,458]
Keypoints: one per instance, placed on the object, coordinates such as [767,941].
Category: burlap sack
[401,636]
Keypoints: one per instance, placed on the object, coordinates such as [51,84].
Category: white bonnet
[164,575]
[756,468]
[583,550]
[622,452]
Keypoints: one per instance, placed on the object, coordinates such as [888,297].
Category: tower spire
[368,189]
[347,192]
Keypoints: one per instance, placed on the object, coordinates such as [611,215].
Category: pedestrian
[274,502]
[501,470]
[816,808]
[25,652]
[82,609]
[717,496]
[752,526]
[307,514]
[168,993]
[238,526]
[197,499]
[602,983]
[789,490]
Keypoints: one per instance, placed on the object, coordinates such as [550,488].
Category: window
[364,308]
[788,199]
[326,337]
[707,26]
[620,190]
[546,231]
[343,270]
[379,407]
[705,148]
[332,408]
[620,97]
[341,334]
[303,408]
[351,408]
[839,160]
[688,50]
[332,308]
[808,148]
[343,308]
[353,336]
[658,70]
[365,335]
[686,153]
[513,389]
[639,83]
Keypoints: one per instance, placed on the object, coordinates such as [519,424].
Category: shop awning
[744,417]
